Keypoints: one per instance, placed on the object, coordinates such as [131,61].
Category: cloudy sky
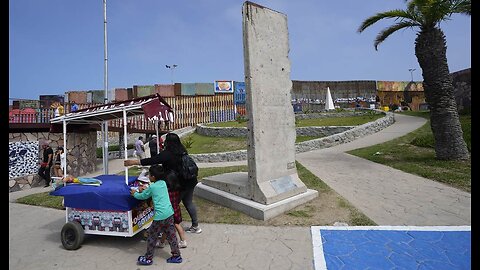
[57,46]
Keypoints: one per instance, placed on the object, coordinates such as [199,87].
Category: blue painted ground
[395,248]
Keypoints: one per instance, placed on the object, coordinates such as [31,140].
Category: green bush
[241,119]
[188,141]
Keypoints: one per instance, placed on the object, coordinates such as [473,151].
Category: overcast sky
[57,46]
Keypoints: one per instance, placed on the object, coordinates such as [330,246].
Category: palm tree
[430,50]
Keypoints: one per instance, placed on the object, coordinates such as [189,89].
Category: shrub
[188,141]
[241,119]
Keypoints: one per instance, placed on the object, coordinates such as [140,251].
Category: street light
[105,85]
[172,67]
[411,72]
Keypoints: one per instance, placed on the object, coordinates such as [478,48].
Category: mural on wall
[22,159]
[399,86]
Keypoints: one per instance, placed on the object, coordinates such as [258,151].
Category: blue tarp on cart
[113,194]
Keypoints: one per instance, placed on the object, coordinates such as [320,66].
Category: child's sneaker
[175,259]
[182,244]
[142,260]
[194,230]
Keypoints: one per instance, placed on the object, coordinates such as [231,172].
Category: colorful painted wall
[401,92]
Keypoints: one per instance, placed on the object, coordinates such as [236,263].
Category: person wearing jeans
[186,196]
[171,159]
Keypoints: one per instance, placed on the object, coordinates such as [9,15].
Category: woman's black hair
[157,171]
[173,144]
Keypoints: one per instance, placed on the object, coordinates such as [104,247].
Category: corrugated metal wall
[121,94]
[187,89]
[143,90]
[22,104]
[204,89]
[98,96]
[79,97]
[165,90]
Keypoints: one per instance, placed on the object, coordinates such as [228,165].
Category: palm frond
[462,7]
[396,13]
[384,34]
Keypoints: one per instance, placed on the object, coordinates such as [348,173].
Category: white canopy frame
[107,112]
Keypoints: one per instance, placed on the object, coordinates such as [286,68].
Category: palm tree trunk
[430,49]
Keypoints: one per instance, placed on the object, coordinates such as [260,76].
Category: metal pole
[411,72]
[65,146]
[158,138]
[125,155]
[105,82]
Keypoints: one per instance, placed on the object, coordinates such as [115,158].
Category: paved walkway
[386,195]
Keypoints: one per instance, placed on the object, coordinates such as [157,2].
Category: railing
[188,111]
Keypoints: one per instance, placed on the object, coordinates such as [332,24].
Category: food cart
[106,207]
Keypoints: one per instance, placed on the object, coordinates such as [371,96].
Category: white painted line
[319,262]
[395,228]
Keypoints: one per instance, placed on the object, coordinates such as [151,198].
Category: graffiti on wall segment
[22,159]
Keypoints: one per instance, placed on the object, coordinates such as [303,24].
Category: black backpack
[189,169]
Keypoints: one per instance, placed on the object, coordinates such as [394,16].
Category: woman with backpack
[171,160]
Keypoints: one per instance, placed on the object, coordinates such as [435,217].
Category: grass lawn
[327,208]
[201,144]
[414,153]
[329,121]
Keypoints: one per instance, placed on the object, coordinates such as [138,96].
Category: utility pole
[105,85]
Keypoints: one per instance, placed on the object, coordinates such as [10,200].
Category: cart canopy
[150,106]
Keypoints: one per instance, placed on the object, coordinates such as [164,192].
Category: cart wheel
[72,235]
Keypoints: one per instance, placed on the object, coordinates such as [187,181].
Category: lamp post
[411,72]
[105,85]
[172,67]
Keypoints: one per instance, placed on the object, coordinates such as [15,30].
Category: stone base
[251,208]
[265,192]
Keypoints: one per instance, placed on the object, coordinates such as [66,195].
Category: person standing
[61,109]
[139,148]
[60,162]
[152,144]
[171,159]
[46,164]
[74,107]
[173,186]
[162,219]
